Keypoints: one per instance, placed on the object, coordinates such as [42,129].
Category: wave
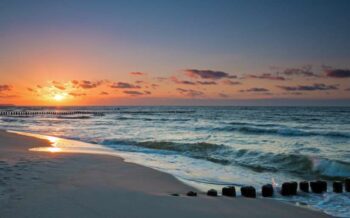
[9,120]
[73,117]
[258,161]
[166,119]
[284,131]
[165,145]
[292,163]
[153,119]
[156,112]
[331,168]
[253,124]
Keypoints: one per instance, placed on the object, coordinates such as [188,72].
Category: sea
[212,147]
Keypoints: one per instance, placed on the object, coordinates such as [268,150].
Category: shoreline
[41,184]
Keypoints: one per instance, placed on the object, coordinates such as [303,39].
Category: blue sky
[307,29]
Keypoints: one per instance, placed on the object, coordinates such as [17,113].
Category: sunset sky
[162,52]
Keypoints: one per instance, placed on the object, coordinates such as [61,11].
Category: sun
[59,97]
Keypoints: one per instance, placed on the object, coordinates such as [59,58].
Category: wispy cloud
[208,74]
[267,76]
[187,82]
[161,79]
[137,73]
[86,84]
[190,92]
[137,93]
[9,96]
[293,93]
[75,94]
[124,85]
[314,87]
[154,86]
[338,73]
[302,71]
[255,89]
[206,82]
[223,95]
[183,82]
[57,85]
[231,83]
[60,87]
[5,88]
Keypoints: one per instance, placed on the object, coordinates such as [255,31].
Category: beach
[175,109]
[42,184]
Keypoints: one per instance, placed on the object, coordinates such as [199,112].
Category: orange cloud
[223,95]
[86,84]
[137,93]
[74,94]
[5,88]
[31,90]
[190,92]
[230,82]
[137,73]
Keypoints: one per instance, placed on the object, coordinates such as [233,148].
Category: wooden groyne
[51,113]
[287,189]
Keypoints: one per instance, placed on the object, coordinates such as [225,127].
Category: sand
[49,185]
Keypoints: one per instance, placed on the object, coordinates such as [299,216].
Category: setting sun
[59,97]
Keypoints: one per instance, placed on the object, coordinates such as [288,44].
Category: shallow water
[215,146]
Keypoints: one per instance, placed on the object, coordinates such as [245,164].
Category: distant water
[215,146]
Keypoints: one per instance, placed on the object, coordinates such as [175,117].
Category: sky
[183,52]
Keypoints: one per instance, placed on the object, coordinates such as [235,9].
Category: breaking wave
[282,131]
[253,159]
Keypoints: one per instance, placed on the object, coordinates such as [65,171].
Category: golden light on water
[59,145]
[47,149]
[54,149]
[53,140]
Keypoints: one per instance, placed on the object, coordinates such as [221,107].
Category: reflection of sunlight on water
[53,140]
[54,143]
[47,149]
[59,145]
[54,149]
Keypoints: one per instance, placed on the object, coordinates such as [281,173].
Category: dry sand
[49,185]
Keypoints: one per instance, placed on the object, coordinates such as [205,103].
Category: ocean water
[209,147]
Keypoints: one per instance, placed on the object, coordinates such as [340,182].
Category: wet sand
[37,184]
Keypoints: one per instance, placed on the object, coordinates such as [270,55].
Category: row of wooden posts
[56,113]
[287,189]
